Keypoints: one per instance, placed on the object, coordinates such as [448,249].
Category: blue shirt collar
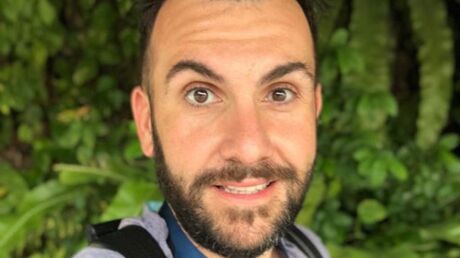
[180,245]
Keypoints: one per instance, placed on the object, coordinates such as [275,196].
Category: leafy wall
[388,174]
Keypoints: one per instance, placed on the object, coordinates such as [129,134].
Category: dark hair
[149,10]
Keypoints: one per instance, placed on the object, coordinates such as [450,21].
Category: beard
[231,231]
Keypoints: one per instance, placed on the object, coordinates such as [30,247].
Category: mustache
[238,172]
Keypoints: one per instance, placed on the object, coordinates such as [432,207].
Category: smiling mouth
[244,190]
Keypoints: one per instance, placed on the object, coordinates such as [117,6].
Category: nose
[246,136]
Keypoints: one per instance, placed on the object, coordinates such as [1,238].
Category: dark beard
[199,225]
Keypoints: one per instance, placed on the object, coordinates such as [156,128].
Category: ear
[140,107]
[318,99]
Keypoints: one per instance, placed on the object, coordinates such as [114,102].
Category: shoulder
[150,221]
[96,252]
[292,250]
[316,240]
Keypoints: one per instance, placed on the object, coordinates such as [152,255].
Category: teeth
[244,190]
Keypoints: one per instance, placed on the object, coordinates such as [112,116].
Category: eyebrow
[194,66]
[284,69]
[276,73]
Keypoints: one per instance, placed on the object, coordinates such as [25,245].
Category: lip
[246,199]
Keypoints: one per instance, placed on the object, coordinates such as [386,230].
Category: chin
[247,227]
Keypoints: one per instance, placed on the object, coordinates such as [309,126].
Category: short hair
[149,10]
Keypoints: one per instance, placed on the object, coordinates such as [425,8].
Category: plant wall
[387,177]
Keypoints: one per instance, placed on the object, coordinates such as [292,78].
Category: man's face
[234,108]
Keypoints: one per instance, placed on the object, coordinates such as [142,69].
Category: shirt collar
[181,245]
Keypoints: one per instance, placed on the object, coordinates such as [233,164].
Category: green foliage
[387,175]
[31,210]
[437,65]
[393,187]
[371,211]
[129,199]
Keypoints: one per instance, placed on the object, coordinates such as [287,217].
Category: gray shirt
[157,227]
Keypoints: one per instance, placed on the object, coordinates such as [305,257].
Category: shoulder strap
[296,236]
[131,241]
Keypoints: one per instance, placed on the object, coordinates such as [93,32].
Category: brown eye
[281,95]
[200,96]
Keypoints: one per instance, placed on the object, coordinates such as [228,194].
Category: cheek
[294,138]
[188,142]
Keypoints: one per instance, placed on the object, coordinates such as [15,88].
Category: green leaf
[450,161]
[72,136]
[41,193]
[124,6]
[10,11]
[39,55]
[3,192]
[25,133]
[133,150]
[371,211]
[106,84]
[75,174]
[339,38]
[84,154]
[335,187]
[397,169]
[362,154]
[350,61]
[449,141]
[75,178]
[315,197]
[328,73]
[448,231]
[46,12]
[365,166]
[86,5]
[103,17]
[378,173]
[36,204]
[109,56]
[374,108]
[389,104]
[129,199]
[85,71]
[14,187]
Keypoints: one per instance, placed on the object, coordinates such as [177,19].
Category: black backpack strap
[296,236]
[96,231]
[132,241]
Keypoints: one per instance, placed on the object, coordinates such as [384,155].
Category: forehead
[230,31]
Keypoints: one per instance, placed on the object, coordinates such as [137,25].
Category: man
[228,107]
